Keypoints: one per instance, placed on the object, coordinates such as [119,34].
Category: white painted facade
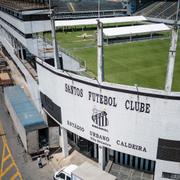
[27,27]
[126,130]
[31,43]
[160,118]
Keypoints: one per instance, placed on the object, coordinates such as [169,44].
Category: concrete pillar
[95,151]
[136,162]
[141,164]
[64,142]
[126,159]
[101,159]
[131,161]
[130,38]
[55,47]
[22,56]
[108,153]
[152,166]
[121,158]
[77,138]
[146,164]
[100,53]
[171,61]
[116,157]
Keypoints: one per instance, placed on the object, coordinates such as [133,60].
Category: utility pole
[100,52]
[53,33]
[172,53]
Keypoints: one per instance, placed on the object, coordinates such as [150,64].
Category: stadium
[109,82]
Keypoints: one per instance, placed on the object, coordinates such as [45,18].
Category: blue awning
[25,110]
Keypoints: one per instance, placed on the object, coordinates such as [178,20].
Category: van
[65,173]
[85,171]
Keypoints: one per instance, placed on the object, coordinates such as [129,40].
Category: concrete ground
[124,173]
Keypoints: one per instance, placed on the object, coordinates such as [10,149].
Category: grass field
[142,63]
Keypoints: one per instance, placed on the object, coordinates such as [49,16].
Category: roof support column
[100,52]
[172,54]
[171,61]
[64,142]
[101,159]
[57,63]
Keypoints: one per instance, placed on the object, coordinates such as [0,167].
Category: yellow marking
[6,158]
[3,152]
[14,176]
[7,169]
[13,164]
[2,164]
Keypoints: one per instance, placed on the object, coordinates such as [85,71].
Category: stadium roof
[132,30]
[79,22]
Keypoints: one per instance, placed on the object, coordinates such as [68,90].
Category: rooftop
[24,108]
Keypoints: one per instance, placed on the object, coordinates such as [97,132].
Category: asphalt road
[15,164]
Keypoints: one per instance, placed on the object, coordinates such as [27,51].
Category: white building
[133,126]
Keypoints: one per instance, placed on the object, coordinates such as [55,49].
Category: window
[61,176]
[68,178]
[171,175]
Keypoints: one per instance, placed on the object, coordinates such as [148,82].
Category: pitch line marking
[7,169]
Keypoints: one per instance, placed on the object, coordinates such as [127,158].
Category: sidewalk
[57,162]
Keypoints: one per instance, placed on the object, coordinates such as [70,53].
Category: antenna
[172,53]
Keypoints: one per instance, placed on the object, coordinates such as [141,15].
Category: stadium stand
[87,8]
[75,6]
[160,9]
[22,4]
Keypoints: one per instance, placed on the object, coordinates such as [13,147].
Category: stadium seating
[76,6]
[21,4]
[160,9]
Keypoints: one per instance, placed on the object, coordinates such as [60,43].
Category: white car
[65,172]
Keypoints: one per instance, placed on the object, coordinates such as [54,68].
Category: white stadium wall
[27,27]
[84,103]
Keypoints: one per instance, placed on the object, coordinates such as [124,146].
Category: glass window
[171,175]
[68,178]
[61,175]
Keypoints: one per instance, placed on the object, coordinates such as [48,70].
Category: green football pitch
[143,63]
